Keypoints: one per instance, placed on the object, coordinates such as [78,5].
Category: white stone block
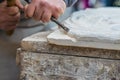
[95,28]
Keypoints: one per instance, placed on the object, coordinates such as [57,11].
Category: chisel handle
[11,3]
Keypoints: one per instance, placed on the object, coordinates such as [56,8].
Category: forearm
[70,2]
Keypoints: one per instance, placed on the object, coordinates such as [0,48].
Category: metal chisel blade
[66,29]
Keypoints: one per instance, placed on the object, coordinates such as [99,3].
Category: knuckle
[17,17]
[58,9]
[43,3]
[36,15]
[44,19]
[30,10]
[13,10]
[56,15]
[16,9]
[47,19]
[36,18]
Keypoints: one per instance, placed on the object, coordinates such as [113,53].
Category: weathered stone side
[38,43]
[42,66]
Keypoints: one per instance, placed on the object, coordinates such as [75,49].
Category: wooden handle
[10,3]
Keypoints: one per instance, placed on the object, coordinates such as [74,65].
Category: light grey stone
[98,25]
[95,28]
[40,60]
[38,43]
[41,66]
[60,38]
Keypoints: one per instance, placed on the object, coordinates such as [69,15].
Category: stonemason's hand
[9,16]
[42,10]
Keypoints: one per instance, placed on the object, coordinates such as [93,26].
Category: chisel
[66,29]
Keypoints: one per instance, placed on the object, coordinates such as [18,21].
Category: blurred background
[83,4]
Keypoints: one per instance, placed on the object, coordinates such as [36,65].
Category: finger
[56,15]
[38,13]
[63,7]
[18,4]
[13,10]
[25,11]
[46,16]
[16,17]
[8,27]
[30,10]
[56,12]
[12,24]
[62,11]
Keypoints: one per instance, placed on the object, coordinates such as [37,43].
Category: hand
[9,16]
[42,10]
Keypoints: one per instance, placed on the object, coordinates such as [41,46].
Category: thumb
[19,4]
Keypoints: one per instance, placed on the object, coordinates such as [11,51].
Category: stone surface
[95,28]
[40,60]
[38,43]
[41,66]
[59,38]
[99,25]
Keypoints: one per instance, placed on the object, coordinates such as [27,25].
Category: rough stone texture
[38,43]
[41,66]
[40,60]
